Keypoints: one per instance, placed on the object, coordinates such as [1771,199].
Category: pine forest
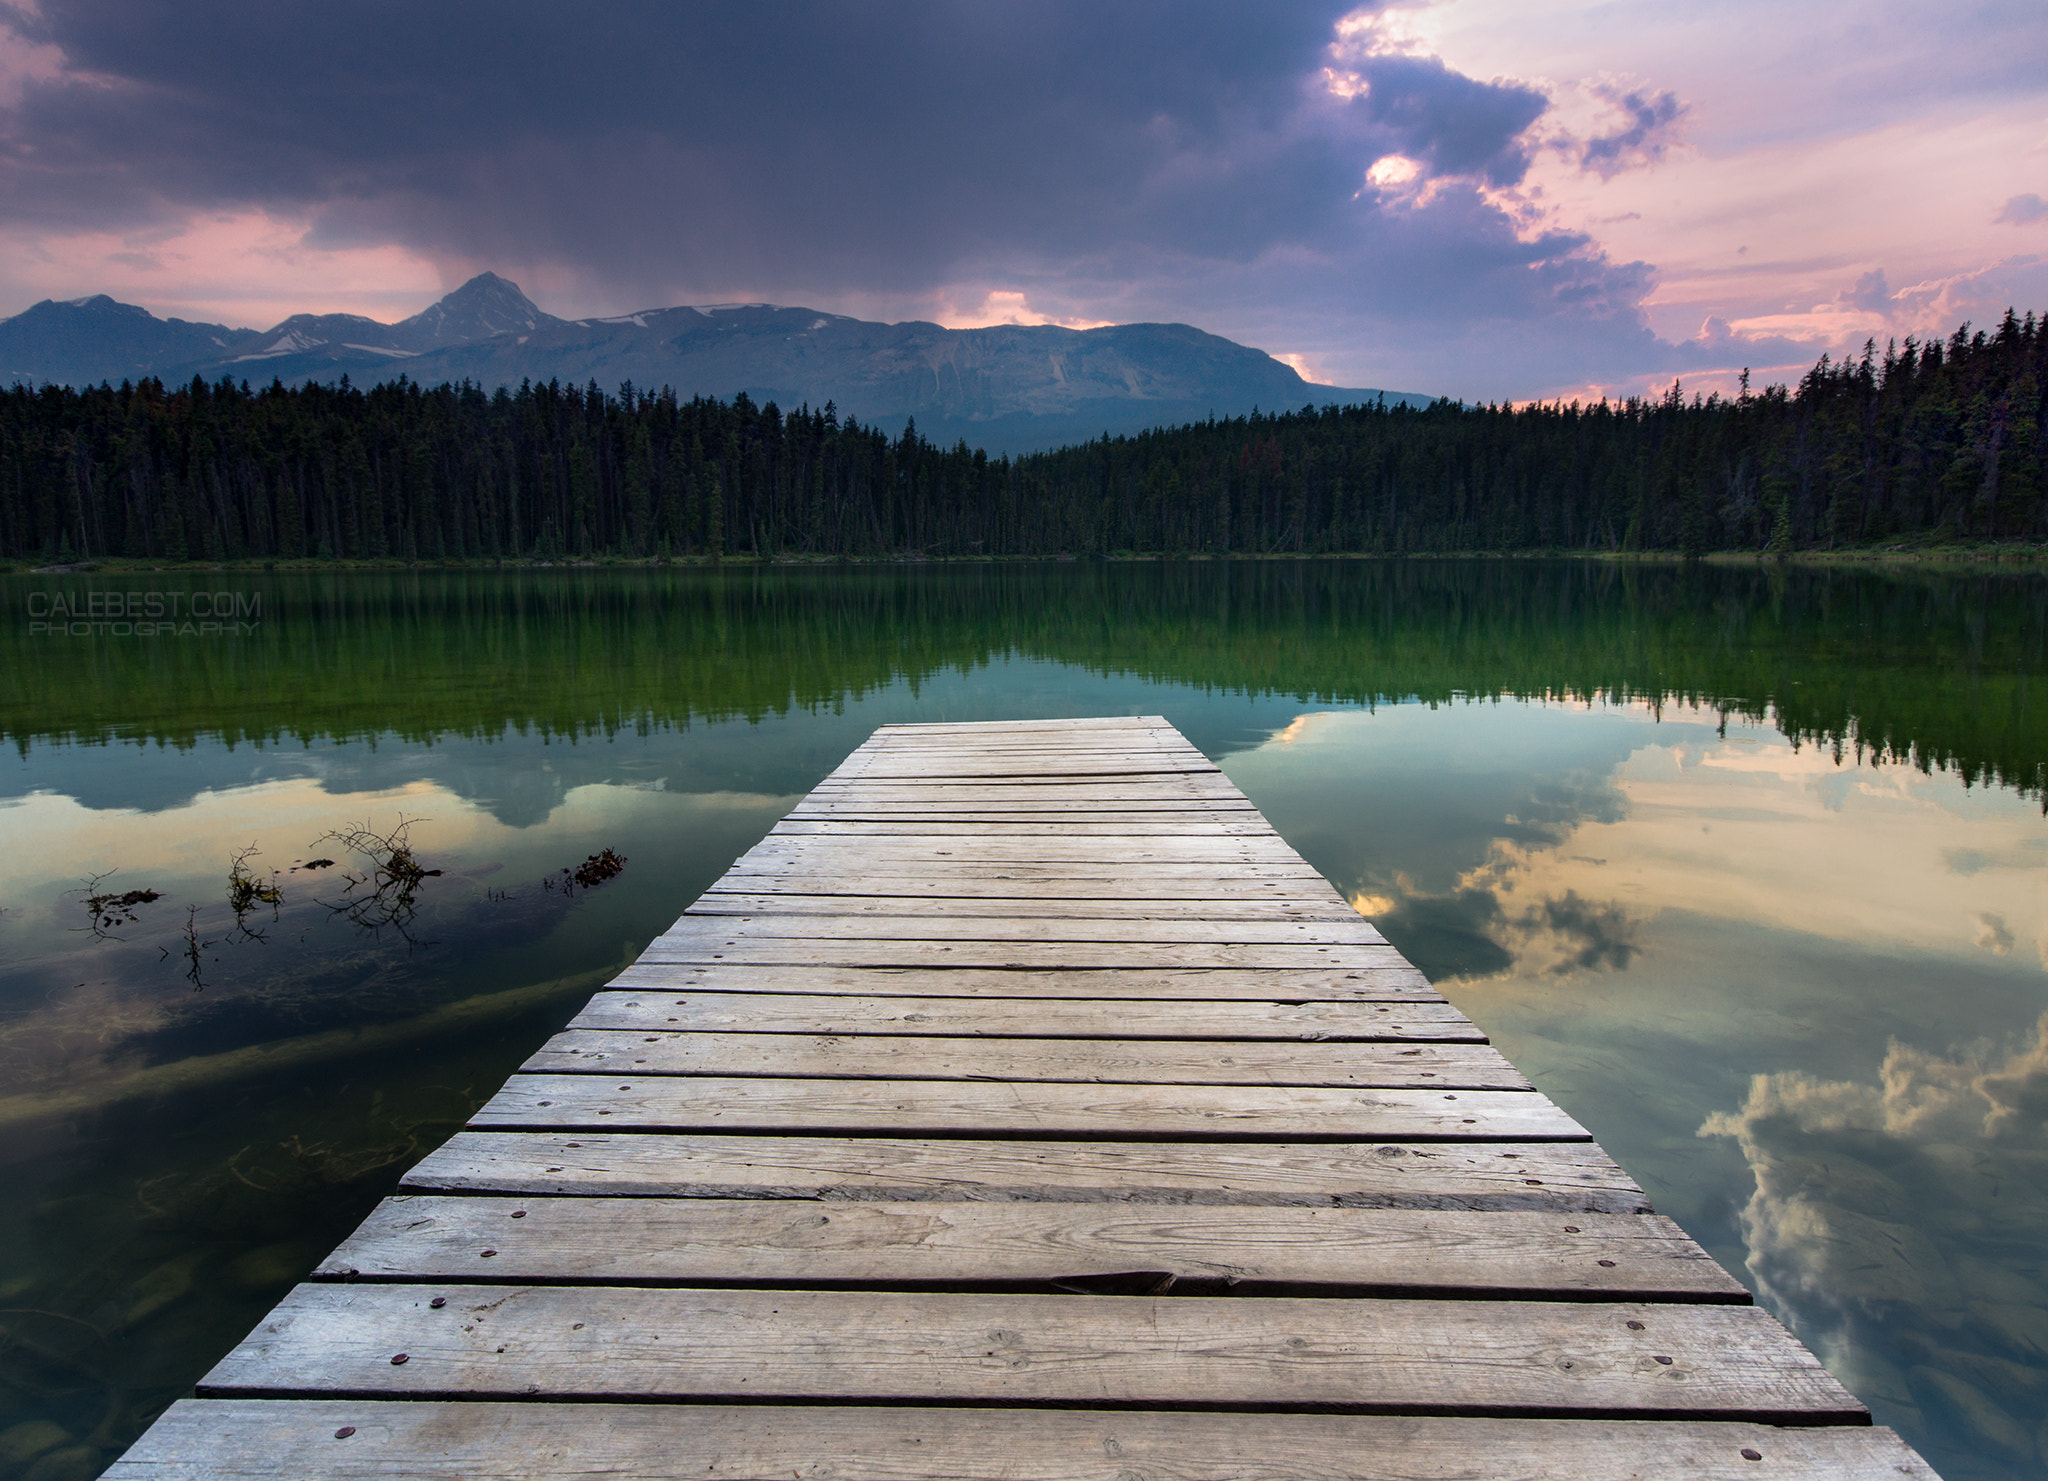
[1942,440]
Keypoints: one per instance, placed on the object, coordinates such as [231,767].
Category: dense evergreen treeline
[1943,438]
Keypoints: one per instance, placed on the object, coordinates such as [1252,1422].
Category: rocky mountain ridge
[1008,388]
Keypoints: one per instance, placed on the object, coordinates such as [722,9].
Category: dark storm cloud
[1170,160]
[720,140]
[1449,121]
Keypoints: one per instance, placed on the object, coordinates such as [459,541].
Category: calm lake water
[1745,868]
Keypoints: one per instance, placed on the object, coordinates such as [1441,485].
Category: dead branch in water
[390,881]
[193,946]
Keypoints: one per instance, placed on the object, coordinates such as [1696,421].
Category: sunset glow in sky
[1484,198]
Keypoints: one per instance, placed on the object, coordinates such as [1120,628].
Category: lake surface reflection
[1745,868]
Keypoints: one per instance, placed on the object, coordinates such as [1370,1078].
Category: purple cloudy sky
[1486,198]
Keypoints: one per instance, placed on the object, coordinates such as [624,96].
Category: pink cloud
[245,268]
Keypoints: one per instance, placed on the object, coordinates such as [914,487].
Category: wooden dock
[1021,1107]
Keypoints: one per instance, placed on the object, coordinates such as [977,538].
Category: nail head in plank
[1549,1359]
[1286,986]
[1441,1067]
[721,903]
[1041,956]
[692,1241]
[1562,1176]
[707,930]
[1024,1018]
[683,1103]
[241,1440]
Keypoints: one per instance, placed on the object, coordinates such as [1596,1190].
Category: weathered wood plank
[732,902]
[1037,956]
[1000,882]
[1573,1177]
[1141,741]
[1134,761]
[687,1103]
[958,828]
[899,730]
[1114,730]
[1138,773]
[1042,881]
[697,1241]
[942,857]
[910,764]
[1134,806]
[1375,984]
[1161,739]
[1144,768]
[1037,789]
[1154,734]
[953,764]
[775,925]
[1145,740]
[1162,742]
[1138,776]
[240,1440]
[919,730]
[1045,804]
[1020,814]
[1000,765]
[1053,849]
[1201,788]
[851,815]
[996,795]
[1140,756]
[1135,752]
[1022,1018]
[1216,850]
[1106,1061]
[870,862]
[998,799]
[1471,1357]
[1283,875]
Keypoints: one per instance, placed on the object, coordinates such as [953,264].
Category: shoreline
[1959,555]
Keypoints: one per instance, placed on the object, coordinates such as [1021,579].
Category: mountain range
[1007,388]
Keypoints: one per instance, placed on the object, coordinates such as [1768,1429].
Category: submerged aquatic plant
[588,875]
[246,891]
[598,868]
[105,910]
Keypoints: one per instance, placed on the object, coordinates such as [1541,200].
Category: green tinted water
[1746,869]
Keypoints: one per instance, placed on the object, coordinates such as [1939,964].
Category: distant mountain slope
[1008,388]
[326,346]
[88,340]
[484,306]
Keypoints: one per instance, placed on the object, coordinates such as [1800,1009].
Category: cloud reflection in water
[1800,997]
[1899,1224]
